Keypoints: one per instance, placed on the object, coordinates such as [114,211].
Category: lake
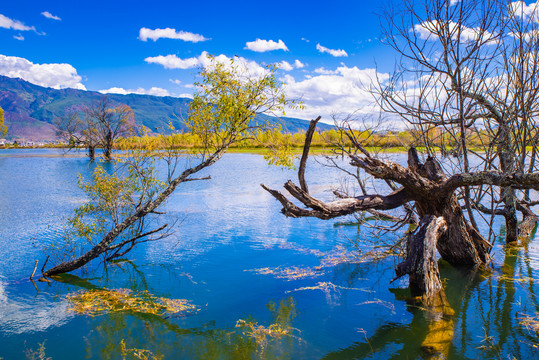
[262,285]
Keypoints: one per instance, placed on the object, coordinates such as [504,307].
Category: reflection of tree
[430,332]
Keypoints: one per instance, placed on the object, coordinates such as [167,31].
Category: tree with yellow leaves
[121,205]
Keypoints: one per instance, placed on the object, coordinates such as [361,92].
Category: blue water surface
[228,231]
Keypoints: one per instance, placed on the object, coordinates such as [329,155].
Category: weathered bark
[337,208]
[528,224]
[91,152]
[421,264]
[305,155]
[507,194]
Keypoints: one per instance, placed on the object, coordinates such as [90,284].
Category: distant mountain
[30,110]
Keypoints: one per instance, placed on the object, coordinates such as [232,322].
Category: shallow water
[229,229]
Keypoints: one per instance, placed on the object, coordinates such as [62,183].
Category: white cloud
[48,15]
[19,37]
[173,62]
[175,81]
[250,67]
[332,52]
[8,23]
[156,91]
[265,45]
[169,33]
[324,71]
[298,64]
[343,90]
[429,30]
[57,76]
[286,66]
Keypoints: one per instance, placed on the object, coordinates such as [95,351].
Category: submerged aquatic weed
[138,354]
[290,273]
[38,354]
[339,255]
[278,329]
[100,301]
[530,322]
[327,287]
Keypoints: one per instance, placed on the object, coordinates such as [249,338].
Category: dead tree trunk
[421,263]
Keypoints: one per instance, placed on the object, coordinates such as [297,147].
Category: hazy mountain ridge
[30,110]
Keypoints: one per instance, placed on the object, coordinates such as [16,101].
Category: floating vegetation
[138,354]
[530,322]
[339,255]
[290,273]
[523,279]
[386,304]
[301,249]
[328,288]
[101,301]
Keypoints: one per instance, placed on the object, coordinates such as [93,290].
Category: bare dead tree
[111,122]
[443,224]
[78,130]
[469,67]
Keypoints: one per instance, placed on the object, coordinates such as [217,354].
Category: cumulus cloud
[298,64]
[8,23]
[48,15]
[57,76]
[324,71]
[175,81]
[286,66]
[169,33]
[332,52]
[343,89]
[173,62]
[250,67]
[428,30]
[156,91]
[260,45]
[19,37]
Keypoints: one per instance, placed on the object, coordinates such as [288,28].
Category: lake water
[230,256]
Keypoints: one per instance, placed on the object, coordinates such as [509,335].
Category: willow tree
[121,208]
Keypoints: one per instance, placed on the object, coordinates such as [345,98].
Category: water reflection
[231,227]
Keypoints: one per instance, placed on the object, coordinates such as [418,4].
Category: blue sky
[99,45]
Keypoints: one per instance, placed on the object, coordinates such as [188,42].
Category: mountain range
[30,110]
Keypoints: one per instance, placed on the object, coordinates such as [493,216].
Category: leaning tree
[122,207]
[467,69]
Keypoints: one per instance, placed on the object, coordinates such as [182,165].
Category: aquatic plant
[96,302]
[138,354]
